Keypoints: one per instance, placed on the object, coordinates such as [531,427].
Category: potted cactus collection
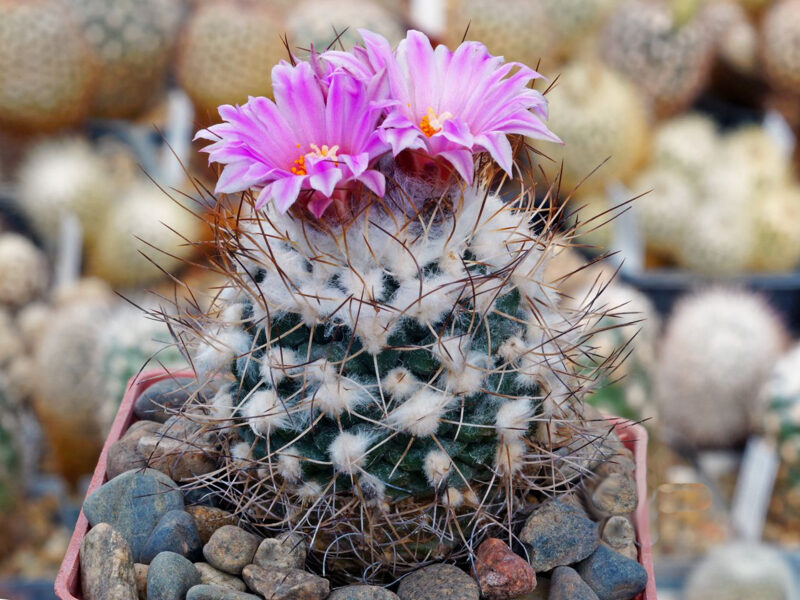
[387,393]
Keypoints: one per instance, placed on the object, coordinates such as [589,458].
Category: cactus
[47,71]
[776,225]
[64,176]
[319,22]
[780,422]
[599,116]
[23,270]
[575,22]
[718,351]
[689,143]
[663,47]
[133,40]
[736,37]
[739,571]
[144,219]
[224,52]
[780,45]
[505,27]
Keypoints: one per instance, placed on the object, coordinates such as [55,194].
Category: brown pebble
[501,573]
[230,549]
[107,571]
[123,454]
[208,519]
[285,584]
[439,582]
[141,579]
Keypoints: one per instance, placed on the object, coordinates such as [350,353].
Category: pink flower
[447,103]
[317,135]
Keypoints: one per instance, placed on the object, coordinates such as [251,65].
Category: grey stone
[123,454]
[611,575]
[285,584]
[175,532]
[363,592]
[439,582]
[162,399]
[208,519]
[618,532]
[230,549]
[286,551]
[615,495]
[213,592]
[558,534]
[133,503]
[170,576]
[566,584]
[181,449]
[213,576]
[107,571]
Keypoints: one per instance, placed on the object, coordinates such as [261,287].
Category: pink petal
[462,162]
[284,191]
[375,181]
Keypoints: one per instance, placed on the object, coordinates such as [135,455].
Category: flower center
[330,153]
[432,123]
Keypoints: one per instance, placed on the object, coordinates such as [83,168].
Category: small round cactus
[740,571]
[144,222]
[504,27]
[574,22]
[23,270]
[324,23]
[776,225]
[664,49]
[226,50]
[133,40]
[780,45]
[719,348]
[664,208]
[688,142]
[599,116]
[64,176]
[47,70]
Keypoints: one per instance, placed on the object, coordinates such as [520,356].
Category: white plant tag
[69,251]
[754,489]
[627,236]
[780,131]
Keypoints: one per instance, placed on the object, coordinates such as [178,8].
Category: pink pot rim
[67,583]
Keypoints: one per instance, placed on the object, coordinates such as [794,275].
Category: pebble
[285,584]
[133,503]
[287,551]
[181,449]
[141,579]
[208,519]
[615,495]
[611,575]
[160,401]
[230,549]
[107,571]
[439,582]
[213,592]
[622,462]
[362,592]
[170,576]
[212,576]
[175,532]
[566,584]
[558,534]
[123,454]
[501,573]
[618,532]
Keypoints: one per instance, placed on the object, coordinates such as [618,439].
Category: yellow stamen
[317,152]
[432,123]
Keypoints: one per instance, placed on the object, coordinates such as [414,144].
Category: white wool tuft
[321,371]
[221,406]
[309,492]
[264,412]
[471,498]
[453,497]
[367,286]
[451,263]
[348,452]
[437,467]
[373,490]
[513,418]
[452,352]
[400,383]
[337,396]
[512,349]
[427,304]
[373,326]
[420,414]
[289,465]
[232,314]
[315,299]
[279,363]
[509,457]
[217,354]
[242,455]
[469,379]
